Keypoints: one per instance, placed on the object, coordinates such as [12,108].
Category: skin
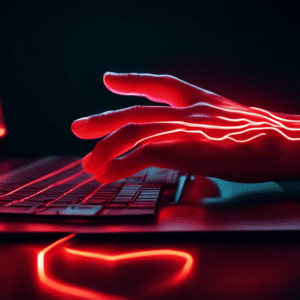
[199,132]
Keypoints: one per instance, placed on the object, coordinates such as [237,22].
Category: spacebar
[128,212]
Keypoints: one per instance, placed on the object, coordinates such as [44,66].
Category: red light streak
[144,254]
[252,114]
[274,116]
[69,166]
[80,292]
[72,189]
[62,287]
[51,186]
[251,123]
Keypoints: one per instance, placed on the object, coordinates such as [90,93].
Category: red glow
[62,287]
[145,254]
[80,292]
[3,130]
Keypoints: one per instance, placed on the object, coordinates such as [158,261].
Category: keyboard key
[172,177]
[143,204]
[95,201]
[27,204]
[50,211]
[116,205]
[17,209]
[136,179]
[81,210]
[127,212]
[55,204]
[122,199]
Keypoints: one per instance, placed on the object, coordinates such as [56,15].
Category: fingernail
[79,124]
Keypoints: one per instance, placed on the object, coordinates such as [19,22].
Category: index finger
[97,126]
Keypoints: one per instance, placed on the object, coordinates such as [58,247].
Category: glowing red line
[246,113]
[227,136]
[72,189]
[247,140]
[150,253]
[209,126]
[63,287]
[93,192]
[48,187]
[67,167]
[258,123]
[89,294]
[274,116]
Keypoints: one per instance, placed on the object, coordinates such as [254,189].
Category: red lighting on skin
[206,131]
[271,126]
[80,292]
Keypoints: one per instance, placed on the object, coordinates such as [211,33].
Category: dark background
[53,55]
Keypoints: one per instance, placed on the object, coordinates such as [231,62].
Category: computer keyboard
[70,192]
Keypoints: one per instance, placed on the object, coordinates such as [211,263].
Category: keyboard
[70,192]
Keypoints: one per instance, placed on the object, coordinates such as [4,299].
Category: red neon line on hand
[255,126]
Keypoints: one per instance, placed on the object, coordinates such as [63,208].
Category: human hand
[200,132]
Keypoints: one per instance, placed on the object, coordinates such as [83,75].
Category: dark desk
[222,266]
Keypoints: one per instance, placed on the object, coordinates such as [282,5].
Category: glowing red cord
[144,254]
[79,292]
[62,287]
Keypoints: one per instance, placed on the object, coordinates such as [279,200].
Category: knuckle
[201,107]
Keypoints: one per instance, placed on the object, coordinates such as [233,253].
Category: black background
[53,55]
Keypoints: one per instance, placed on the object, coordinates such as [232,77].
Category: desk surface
[222,266]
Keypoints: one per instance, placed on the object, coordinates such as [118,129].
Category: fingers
[159,88]
[100,125]
[130,136]
[120,142]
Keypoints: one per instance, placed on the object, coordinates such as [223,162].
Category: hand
[200,132]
